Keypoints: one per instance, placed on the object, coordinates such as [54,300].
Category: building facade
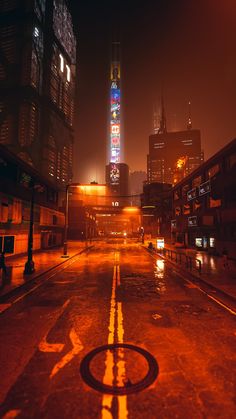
[136,182]
[156,205]
[119,186]
[37,84]
[19,184]
[204,205]
[173,155]
[117,173]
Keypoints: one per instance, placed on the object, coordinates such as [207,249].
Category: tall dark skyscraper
[117,173]
[173,155]
[37,84]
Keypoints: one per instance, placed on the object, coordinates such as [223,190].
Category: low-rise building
[19,185]
[204,205]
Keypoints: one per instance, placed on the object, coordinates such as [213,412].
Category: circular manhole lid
[128,387]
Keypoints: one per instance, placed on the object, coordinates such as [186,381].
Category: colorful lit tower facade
[117,173]
[115,115]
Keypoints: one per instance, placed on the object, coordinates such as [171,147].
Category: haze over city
[117,209]
[183,49]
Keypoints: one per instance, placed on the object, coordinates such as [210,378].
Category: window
[213,170]
[214,203]
[212,241]
[63,27]
[208,220]
[7,129]
[197,181]
[39,7]
[7,244]
[4,210]
[232,160]
[16,216]
[28,126]
[177,210]
[176,194]
[186,209]
[36,58]
[67,73]
[196,205]
[61,63]
[185,188]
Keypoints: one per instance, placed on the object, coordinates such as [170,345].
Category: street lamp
[70,185]
[29,265]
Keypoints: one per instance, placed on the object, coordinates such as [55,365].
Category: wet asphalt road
[117,292]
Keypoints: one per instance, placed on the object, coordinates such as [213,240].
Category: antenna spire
[155,120]
[189,125]
[162,129]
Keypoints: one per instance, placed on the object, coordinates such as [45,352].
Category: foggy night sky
[185,48]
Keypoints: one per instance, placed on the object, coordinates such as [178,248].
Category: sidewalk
[213,271]
[43,260]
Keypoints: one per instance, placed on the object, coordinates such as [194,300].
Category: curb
[12,292]
[193,276]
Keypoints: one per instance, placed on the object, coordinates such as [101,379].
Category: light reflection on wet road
[117,292]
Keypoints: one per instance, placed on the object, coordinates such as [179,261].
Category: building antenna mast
[189,125]
[162,129]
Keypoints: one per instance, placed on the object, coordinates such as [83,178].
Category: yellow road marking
[77,347]
[44,346]
[115,314]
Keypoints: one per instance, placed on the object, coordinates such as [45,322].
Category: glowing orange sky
[185,48]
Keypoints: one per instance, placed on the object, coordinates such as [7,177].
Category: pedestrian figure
[225,258]
[2,263]
[150,246]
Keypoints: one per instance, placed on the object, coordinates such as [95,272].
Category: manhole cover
[146,362]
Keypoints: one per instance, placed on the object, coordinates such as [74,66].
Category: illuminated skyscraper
[37,84]
[116,171]
[173,155]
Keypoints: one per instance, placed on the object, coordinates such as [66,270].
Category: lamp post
[65,255]
[29,265]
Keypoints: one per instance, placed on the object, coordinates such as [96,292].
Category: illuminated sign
[198,241]
[115,129]
[192,221]
[173,225]
[191,194]
[204,188]
[160,242]
[115,123]
[114,174]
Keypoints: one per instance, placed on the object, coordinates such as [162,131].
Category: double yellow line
[115,335]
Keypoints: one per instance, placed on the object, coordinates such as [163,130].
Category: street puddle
[159,276]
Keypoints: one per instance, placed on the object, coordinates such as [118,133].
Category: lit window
[61,63]
[67,73]
[36,32]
